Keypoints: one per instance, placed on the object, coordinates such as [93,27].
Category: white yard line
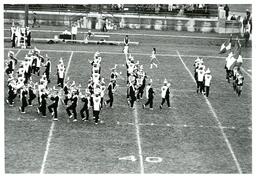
[138,138]
[52,128]
[181,125]
[69,61]
[17,52]
[217,120]
[119,53]
[47,148]
[246,72]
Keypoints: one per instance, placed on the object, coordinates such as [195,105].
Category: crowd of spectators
[175,9]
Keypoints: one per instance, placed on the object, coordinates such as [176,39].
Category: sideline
[217,120]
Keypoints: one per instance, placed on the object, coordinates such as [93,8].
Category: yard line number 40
[147,159]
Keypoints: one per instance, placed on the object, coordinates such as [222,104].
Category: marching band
[69,94]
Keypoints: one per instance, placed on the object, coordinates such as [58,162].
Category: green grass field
[196,135]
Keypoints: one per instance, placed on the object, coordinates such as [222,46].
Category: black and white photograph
[127,88]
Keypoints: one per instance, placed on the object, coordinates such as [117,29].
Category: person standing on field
[150,96]
[165,93]
[74,31]
[207,81]
[226,8]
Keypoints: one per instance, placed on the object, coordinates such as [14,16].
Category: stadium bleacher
[193,10]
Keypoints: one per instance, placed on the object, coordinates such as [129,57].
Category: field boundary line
[139,34]
[52,127]
[119,53]
[216,118]
[138,138]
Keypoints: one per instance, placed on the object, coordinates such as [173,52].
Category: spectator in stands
[170,6]
[226,8]
[157,8]
[74,31]
[181,12]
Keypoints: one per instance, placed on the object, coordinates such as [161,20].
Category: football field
[196,135]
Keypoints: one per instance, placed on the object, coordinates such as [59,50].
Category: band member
[165,94]
[41,88]
[153,60]
[66,92]
[12,61]
[53,108]
[130,67]
[141,81]
[60,74]
[239,83]
[26,66]
[132,93]
[43,103]
[12,92]
[126,40]
[86,100]
[110,94]
[72,106]
[200,78]
[31,94]
[36,63]
[102,92]
[28,37]
[113,76]
[126,46]
[150,96]
[23,94]
[207,81]
[96,107]
[48,68]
